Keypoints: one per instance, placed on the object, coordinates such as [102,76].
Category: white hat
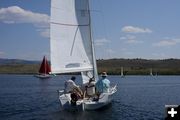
[104,74]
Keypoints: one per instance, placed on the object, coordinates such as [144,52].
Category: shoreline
[111,66]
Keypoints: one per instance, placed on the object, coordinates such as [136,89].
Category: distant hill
[4,61]
[140,66]
[112,66]
[140,63]
[17,66]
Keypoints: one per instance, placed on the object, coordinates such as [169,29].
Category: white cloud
[160,55]
[131,29]
[177,40]
[15,14]
[167,42]
[130,39]
[44,32]
[101,42]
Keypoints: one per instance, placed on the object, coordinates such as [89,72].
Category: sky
[148,29]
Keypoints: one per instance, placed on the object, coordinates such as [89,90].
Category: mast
[92,45]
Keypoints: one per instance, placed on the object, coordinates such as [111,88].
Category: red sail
[45,68]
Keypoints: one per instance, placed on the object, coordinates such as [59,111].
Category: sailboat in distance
[151,72]
[44,69]
[72,49]
[122,72]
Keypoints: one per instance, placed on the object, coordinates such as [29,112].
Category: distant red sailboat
[44,70]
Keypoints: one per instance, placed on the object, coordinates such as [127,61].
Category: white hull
[87,104]
[43,76]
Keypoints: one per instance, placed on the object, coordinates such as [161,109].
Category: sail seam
[68,24]
[72,70]
[74,41]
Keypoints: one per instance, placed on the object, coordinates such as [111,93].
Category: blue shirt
[102,85]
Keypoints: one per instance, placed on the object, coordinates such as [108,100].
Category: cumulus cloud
[130,39]
[15,14]
[44,32]
[167,42]
[101,42]
[132,29]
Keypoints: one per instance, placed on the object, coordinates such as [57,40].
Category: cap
[104,74]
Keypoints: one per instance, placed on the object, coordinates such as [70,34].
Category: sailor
[71,87]
[90,87]
[103,85]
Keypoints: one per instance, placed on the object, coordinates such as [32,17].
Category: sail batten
[70,38]
[66,24]
[72,70]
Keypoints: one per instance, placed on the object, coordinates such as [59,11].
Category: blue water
[138,98]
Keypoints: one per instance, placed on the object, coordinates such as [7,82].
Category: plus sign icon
[172,112]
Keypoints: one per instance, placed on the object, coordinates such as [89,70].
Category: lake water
[138,98]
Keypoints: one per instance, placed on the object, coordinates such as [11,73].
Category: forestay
[70,37]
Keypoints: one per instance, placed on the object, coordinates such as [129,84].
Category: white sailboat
[72,49]
[122,72]
[151,72]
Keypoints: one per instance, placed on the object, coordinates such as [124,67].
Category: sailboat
[151,72]
[44,69]
[72,49]
[122,72]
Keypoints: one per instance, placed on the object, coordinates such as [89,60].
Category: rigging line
[74,40]
[68,24]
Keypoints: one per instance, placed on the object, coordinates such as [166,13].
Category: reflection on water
[138,97]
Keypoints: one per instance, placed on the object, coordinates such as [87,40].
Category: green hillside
[19,69]
[112,66]
[140,66]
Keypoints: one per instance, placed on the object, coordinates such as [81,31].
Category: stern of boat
[65,102]
[104,99]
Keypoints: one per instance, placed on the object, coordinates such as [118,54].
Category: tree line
[112,66]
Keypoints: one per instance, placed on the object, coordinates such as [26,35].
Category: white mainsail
[70,37]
